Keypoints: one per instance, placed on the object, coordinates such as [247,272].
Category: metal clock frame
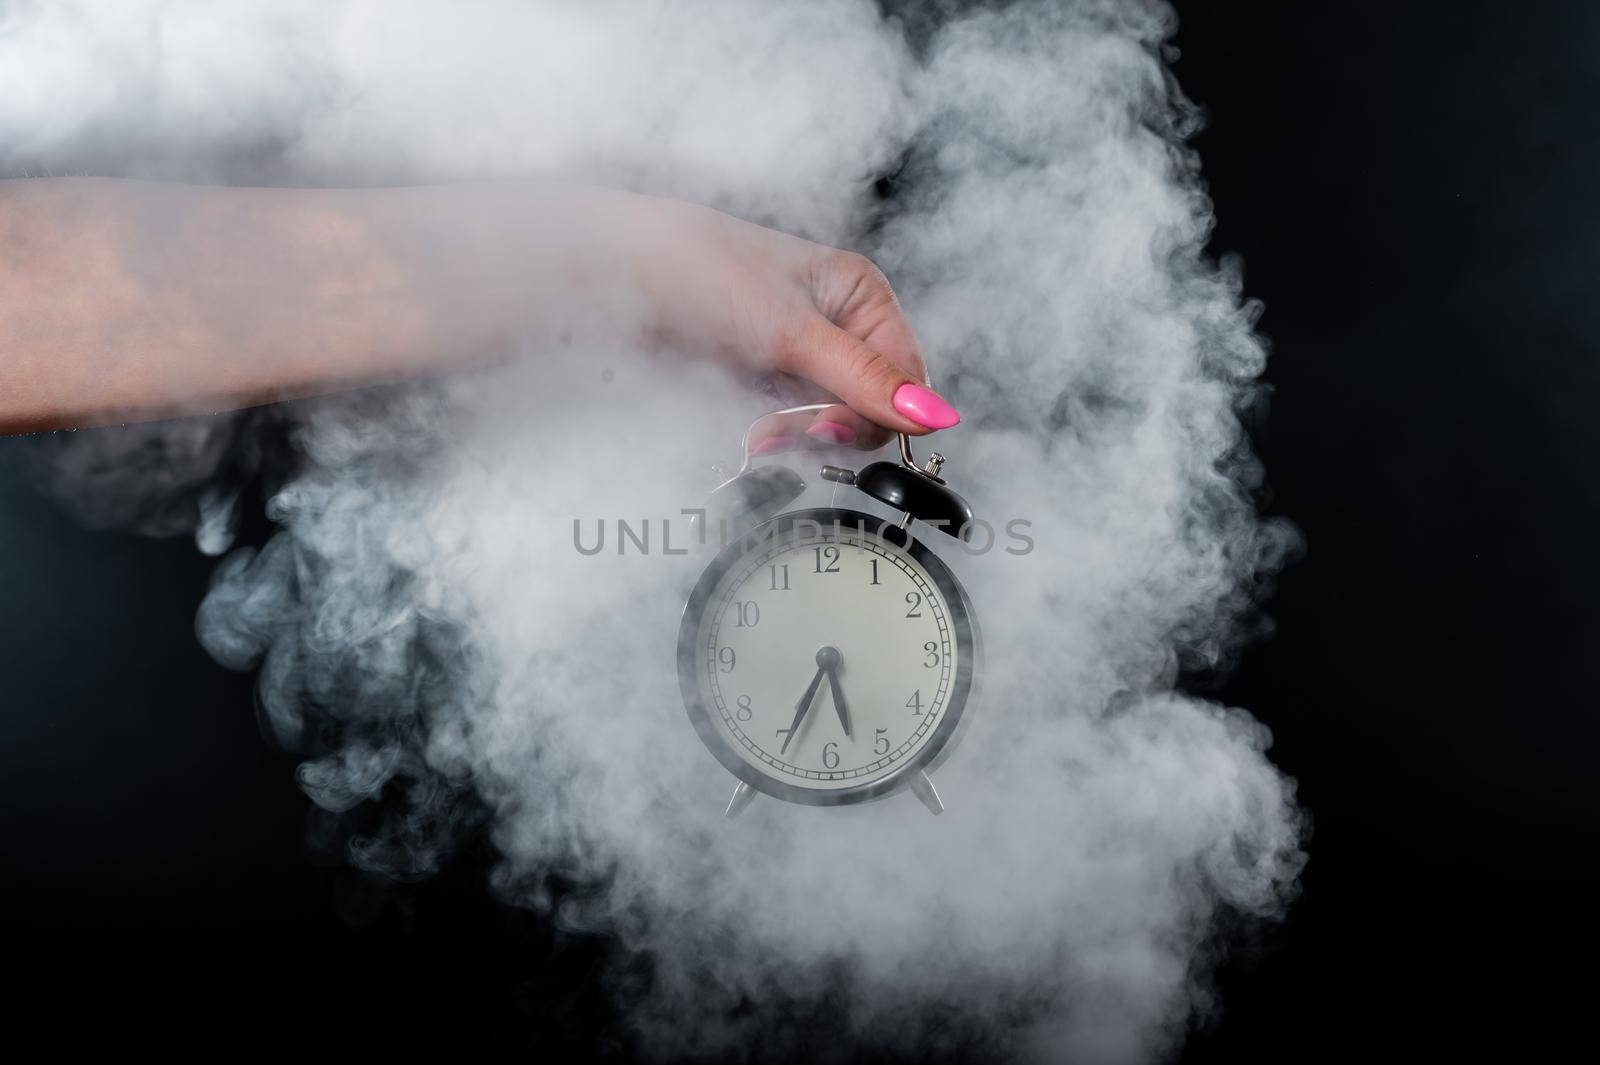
[963,628]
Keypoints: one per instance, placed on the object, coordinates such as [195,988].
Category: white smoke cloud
[432,642]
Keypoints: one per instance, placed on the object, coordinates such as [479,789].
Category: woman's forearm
[122,300]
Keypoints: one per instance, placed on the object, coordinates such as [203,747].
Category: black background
[1410,187]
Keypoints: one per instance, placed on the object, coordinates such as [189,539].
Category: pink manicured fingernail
[772,444]
[924,407]
[831,433]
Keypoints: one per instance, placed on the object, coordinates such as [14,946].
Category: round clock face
[824,657]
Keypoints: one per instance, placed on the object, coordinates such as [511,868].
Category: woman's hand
[823,323]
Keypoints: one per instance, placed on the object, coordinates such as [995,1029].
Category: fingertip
[925,407]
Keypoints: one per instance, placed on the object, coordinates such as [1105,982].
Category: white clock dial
[826,656]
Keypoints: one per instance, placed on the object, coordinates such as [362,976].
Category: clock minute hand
[801,708]
[839,703]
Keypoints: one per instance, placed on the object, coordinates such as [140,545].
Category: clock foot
[922,787]
[741,798]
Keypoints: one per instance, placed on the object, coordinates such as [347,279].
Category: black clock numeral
[875,579]
[743,713]
[749,615]
[915,703]
[727,657]
[881,743]
[830,755]
[932,650]
[773,569]
[831,554]
[914,600]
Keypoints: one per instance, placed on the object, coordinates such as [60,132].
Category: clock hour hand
[827,662]
[801,708]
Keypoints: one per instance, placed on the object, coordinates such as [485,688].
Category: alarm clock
[827,656]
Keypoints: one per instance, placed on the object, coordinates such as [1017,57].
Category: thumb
[868,381]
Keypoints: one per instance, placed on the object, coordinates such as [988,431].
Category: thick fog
[445,662]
